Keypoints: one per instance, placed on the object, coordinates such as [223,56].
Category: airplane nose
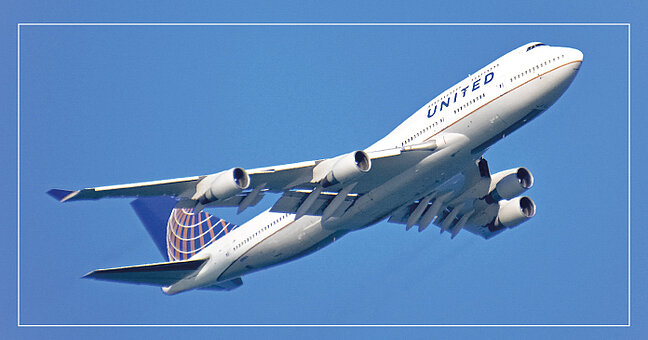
[561,77]
[576,56]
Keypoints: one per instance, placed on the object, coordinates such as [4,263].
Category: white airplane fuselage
[474,113]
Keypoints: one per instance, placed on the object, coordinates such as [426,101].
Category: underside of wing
[292,200]
[449,218]
[171,187]
[354,173]
[307,175]
[473,200]
[227,285]
[274,179]
[283,177]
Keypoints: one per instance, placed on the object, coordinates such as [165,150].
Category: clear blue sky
[107,105]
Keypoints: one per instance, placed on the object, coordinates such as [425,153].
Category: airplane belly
[430,173]
[295,240]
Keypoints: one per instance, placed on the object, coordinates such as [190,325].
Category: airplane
[429,170]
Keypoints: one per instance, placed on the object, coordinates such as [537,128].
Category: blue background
[105,105]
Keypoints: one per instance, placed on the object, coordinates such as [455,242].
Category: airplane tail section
[154,213]
[179,233]
[156,274]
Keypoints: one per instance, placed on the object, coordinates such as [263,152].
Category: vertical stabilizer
[189,232]
[154,213]
[179,233]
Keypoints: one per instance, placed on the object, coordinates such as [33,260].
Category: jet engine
[222,185]
[512,213]
[509,183]
[348,168]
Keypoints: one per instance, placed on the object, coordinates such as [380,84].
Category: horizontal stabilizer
[157,274]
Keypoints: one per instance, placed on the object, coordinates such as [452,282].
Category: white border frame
[627,25]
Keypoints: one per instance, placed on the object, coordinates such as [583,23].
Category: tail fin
[179,233]
[189,232]
[154,213]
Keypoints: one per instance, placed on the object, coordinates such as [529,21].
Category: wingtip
[62,195]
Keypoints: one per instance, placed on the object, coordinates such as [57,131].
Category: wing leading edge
[218,190]
[275,179]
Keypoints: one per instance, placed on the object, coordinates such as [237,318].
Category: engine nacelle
[512,213]
[222,185]
[348,168]
[509,183]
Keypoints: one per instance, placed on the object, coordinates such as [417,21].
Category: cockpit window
[534,46]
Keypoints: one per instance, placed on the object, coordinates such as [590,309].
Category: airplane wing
[290,202]
[474,200]
[170,187]
[448,219]
[451,205]
[274,178]
[245,188]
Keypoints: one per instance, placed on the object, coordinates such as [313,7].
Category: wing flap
[454,211]
[483,231]
[445,217]
[290,201]
[233,201]
[156,274]
[227,285]
[284,177]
